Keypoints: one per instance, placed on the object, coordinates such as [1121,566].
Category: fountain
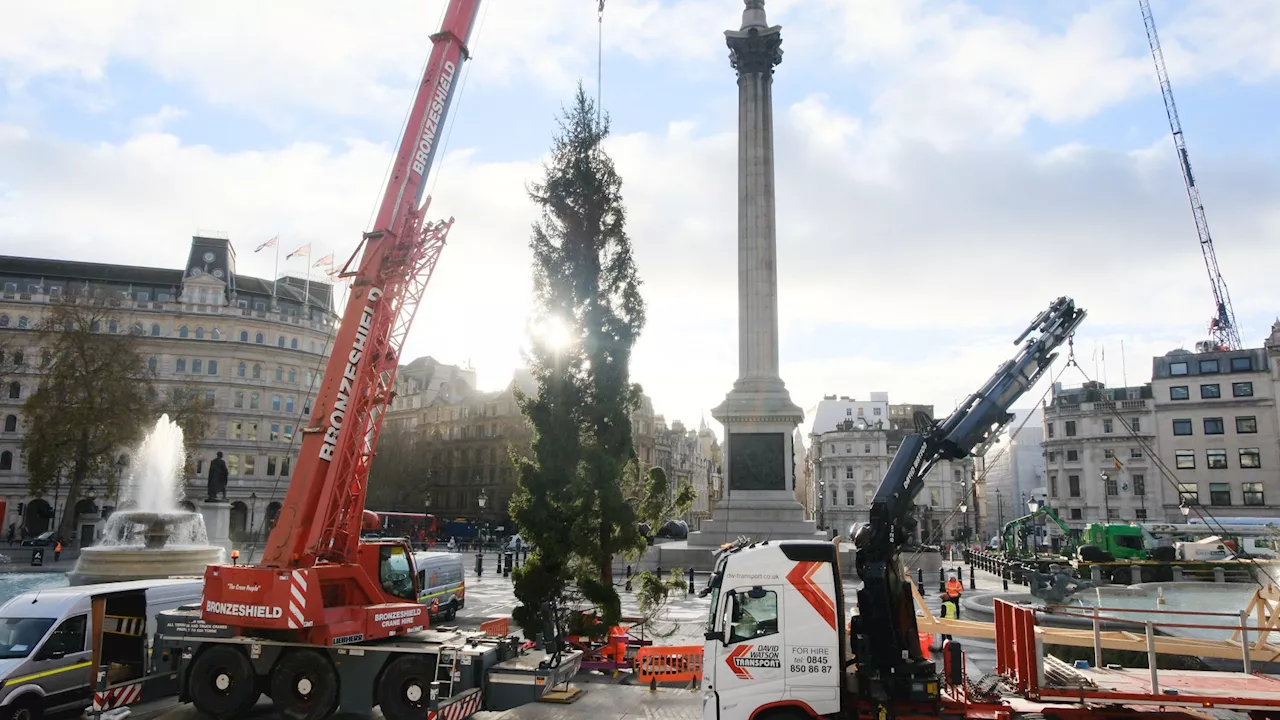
[152,538]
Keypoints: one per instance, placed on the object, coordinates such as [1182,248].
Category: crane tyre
[404,689]
[222,683]
[304,686]
[1164,553]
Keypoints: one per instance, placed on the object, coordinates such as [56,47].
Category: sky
[944,169]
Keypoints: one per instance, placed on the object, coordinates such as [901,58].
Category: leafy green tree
[94,399]
[571,503]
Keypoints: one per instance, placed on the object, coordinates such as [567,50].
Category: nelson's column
[758,416]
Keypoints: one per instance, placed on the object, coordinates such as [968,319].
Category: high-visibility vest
[954,587]
[949,609]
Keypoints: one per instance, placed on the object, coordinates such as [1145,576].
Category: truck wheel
[222,683]
[304,686]
[27,707]
[405,688]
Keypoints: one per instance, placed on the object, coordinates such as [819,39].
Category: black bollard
[497,558]
[973,580]
[507,559]
[690,588]
[628,586]
[479,565]
[960,573]
[628,571]
[659,572]
[1004,577]
[942,580]
[920,577]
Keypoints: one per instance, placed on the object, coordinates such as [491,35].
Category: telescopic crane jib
[1222,328]
[317,583]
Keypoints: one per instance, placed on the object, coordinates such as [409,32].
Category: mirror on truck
[756,593]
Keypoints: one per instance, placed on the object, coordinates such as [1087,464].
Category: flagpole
[306,287]
[275,276]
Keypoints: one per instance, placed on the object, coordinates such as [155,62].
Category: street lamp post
[1033,505]
[1106,496]
[481,501]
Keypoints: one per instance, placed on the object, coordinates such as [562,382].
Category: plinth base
[757,515]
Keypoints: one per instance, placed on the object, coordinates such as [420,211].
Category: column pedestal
[217,523]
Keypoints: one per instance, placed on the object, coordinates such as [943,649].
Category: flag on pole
[270,243]
[1117,461]
[326,261]
[303,251]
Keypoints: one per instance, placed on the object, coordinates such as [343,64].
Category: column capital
[753,50]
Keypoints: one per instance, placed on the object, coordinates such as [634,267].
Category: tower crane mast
[1222,328]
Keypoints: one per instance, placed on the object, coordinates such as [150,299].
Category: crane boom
[1222,328]
[316,579]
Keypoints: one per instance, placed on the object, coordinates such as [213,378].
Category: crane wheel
[405,688]
[304,686]
[222,683]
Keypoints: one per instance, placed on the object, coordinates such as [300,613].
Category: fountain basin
[102,564]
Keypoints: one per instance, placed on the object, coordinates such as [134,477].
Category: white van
[51,642]
[442,583]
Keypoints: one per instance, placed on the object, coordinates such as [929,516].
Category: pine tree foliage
[94,400]
[571,503]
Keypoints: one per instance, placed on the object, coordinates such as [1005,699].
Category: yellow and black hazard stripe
[124,625]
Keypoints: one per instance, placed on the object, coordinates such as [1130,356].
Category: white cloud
[156,121]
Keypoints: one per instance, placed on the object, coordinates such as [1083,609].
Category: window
[1053,485]
[237,430]
[6,460]
[152,363]
[848,472]
[233,464]
[288,406]
[257,372]
[249,462]
[1106,425]
[139,329]
[1135,453]
[251,431]
[293,376]
[1071,428]
[1139,485]
[1242,364]
[1241,389]
[180,365]
[279,374]
[1219,494]
[15,390]
[1208,366]
[1188,493]
[288,435]
[244,336]
[155,330]
[199,333]
[217,334]
[253,401]
[1113,488]
[271,466]
[1179,392]
[1109,454]
[1178,368]
[275,433]
[1252,492]
[213,367]
[197,366]
[239,399]
[183,332]
[754,615]
[1077,514]
[1053,455]
[1135,424]
[113,327]
[284,467]
[10,423]
[23,322]
[875,411]
[68,639]
[1208,392]
[293,344]
[1113,514]
[1184,459]
[1048,427]
[280,341]
[1073,485]
[1246,425]
[1073,456]
[1213,426]
[260,338]
[276,403]
[1216,458]
[1181,427]
[1140,514]
[850,496]
[860,410]
[866,447]
[241,368]
[210,397]
[1250,458]
[4,321]
[311,345]
[306,407]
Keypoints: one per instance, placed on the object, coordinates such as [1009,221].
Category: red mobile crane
[317,583]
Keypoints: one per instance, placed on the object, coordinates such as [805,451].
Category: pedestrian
[949,611]
[12,531]
[57,550]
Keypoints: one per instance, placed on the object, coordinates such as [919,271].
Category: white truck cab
[775,639]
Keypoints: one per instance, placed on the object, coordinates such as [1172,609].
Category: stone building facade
[691,458]
[255,349]
[1097,444]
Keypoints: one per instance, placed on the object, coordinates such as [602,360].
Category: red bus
[415,526]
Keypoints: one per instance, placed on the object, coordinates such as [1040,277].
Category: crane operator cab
[391,563]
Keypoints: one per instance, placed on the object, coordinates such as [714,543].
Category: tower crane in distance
[1222,327]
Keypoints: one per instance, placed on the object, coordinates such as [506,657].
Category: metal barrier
[498,627]
[671,664]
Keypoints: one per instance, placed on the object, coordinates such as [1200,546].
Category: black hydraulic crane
[1222,328]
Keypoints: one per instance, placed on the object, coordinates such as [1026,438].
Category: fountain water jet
[153,538]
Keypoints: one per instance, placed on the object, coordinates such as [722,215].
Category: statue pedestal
[217,522]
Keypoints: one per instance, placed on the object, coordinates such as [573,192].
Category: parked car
[44,539]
